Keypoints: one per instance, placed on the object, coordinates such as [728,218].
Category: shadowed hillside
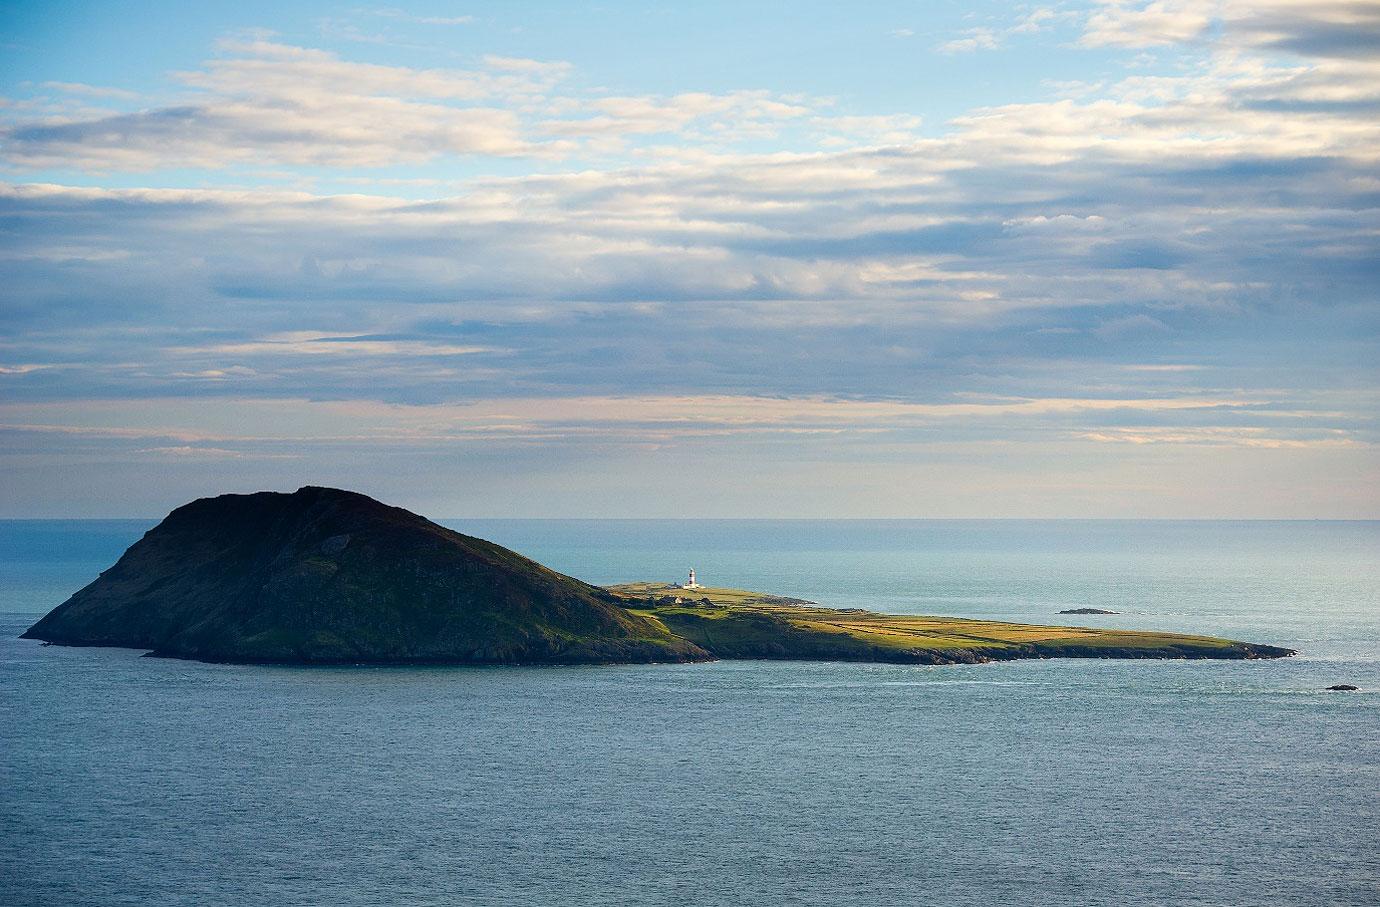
[330,576]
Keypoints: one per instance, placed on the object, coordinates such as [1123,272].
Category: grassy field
[735,623]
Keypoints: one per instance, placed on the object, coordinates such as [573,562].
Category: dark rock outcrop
[324,576]
[1087,611]
[1343,688]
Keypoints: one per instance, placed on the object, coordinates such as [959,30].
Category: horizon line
[790,519]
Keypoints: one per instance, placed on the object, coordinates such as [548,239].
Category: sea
[138,781]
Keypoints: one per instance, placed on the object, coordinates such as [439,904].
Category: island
[325,576]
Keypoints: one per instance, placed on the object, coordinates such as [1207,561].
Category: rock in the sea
[325,576]
[1343,688]
[1086,611]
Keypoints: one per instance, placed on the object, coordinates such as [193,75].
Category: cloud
[423,20]
[294,105]
[310,343]
[621,419]
[973,39]
[850,131]
[268,102]
[355,132]
[988,38]
[1330,28]
[1258,438]
[1130,326]
[631,115]
[550,70]
[1333,28]
[1036,20]
[91,91]
[190,452]
[265,102]
[1175,181]
[1129,24]
[1123,268]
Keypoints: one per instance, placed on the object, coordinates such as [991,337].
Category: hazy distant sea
[144,781]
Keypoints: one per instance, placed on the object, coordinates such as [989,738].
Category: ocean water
[129,780]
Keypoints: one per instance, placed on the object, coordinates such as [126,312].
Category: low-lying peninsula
[733,623]
[324,576]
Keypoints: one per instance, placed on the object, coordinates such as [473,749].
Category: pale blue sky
[545,259]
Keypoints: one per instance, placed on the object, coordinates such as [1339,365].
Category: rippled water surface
[128,780]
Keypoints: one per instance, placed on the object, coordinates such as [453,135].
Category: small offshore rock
[1087,611]
[1343,688]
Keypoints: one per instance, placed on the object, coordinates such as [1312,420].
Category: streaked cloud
[310,343]
[990,37]
[298,106]
[264,101]
[392,13]
[973,39]
[1226,437]
[617,418]
[1127,23]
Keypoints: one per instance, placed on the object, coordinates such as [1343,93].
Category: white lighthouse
[690,583]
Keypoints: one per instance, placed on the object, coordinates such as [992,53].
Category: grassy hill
[324,576]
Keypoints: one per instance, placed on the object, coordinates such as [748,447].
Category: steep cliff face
[329,576]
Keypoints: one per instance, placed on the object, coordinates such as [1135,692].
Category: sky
[530,259]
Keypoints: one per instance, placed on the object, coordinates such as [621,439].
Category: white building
[690,584]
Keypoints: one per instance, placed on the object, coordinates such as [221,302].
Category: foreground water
[127,780]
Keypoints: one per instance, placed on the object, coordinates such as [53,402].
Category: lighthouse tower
[691,584]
